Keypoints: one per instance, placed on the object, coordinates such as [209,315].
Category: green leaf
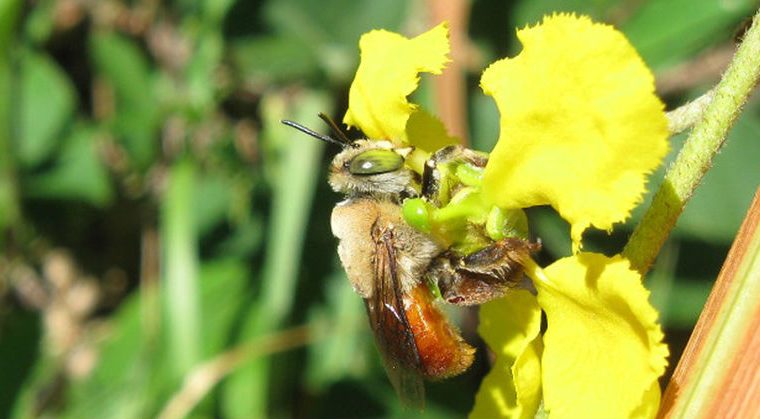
[342,355]
[137,116]
[211,201]
[666,32]
[267,59]
[200,73]
[128,359]
[215,10]
[531,12]
[41,21]
[132,378]
[223,295]
[76,174]
[316,21]
[246,392]
[307,40]
[179,277]
[9,10]
[9,205]
[46,104]
[244,240]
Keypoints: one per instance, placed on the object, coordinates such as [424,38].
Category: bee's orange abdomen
[443,353]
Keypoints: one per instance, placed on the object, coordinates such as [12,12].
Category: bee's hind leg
[484,275]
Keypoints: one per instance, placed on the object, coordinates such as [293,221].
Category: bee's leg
[484,275]
[435,182]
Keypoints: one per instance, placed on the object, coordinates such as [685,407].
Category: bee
[392,265]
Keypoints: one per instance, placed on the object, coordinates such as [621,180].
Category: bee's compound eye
[375,162]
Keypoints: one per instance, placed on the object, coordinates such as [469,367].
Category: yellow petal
[603,347]
[388,72]
[426,132]
[510,327]
[527,377]
[581,126]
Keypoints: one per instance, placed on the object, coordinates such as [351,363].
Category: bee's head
[372,167]
[366,167]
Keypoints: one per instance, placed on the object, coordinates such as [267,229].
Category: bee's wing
[393,334]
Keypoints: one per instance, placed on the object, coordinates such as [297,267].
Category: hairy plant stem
[684,117]
[695,158]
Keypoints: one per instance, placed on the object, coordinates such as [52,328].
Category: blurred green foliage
[155,215]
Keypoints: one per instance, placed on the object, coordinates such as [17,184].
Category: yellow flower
[387,74]
[514,322]
[598,315]
[581,128]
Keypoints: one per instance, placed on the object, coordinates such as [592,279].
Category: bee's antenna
[307,131]
[335,129]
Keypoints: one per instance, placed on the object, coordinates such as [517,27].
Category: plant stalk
[695,158]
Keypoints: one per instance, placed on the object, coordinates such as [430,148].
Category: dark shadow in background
[19,349]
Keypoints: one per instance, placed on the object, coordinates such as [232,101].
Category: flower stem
[684,117]
[695,158]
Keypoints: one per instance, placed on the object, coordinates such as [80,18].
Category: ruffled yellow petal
[388,72]
[512,389]
[581,126]
[603,347]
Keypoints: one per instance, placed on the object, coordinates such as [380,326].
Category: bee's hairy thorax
[359,223]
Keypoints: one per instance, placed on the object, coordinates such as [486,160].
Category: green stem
[180,293]
[695,158]
[684,117]
[10,212]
